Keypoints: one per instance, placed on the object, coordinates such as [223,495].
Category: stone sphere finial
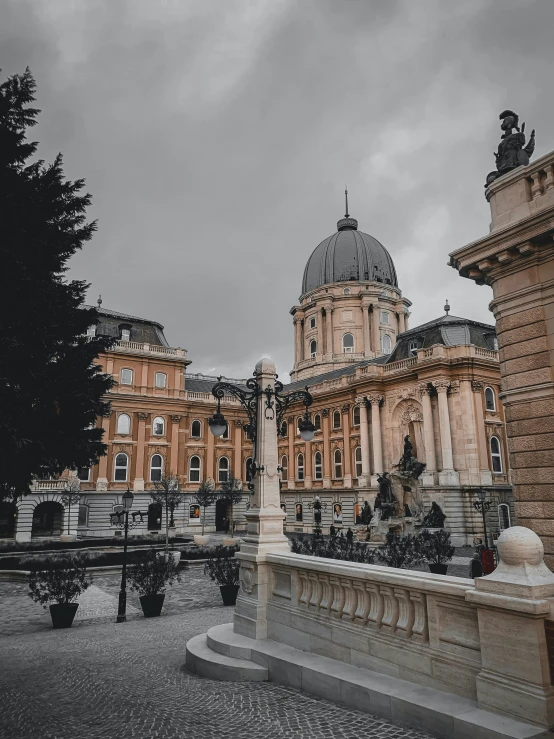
[265,367]
[519,545]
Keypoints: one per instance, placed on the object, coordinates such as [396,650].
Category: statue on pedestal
[435,518]
[408,463]
[512,151]
[385,500]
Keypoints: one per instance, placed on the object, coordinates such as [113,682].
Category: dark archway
[8,518]
[47,519]
[221,515]
[154,517]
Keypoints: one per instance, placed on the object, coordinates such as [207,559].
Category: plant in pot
[436,549]
[59,582]
[399,551]
[149,577]
[223,568]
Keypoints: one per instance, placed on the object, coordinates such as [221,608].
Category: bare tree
[167,495]
[231,491]
[205,496]
[71,496]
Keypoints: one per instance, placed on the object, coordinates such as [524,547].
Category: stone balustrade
[132,347]
[400,365]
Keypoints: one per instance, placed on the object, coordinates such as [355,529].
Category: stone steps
[223,655]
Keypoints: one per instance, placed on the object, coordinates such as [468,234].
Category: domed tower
[351,307]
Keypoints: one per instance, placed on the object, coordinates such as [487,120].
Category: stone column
[326,449]
[102,480]
[264,518]
[308,475]
[401,322]
[210,454]
[329,331]
[347,451]
[292,460]
[144,378]
[138,483]
[428,477]
[447,476]
[365,323]
[364,480]
[514,611]
[237,463]
[174,454]
[319,320]
[478,388]
[375,401]
[297,352]
[376,331]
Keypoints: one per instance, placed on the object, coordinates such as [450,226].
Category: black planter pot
[438,569]
[152,604]
[62,614]
[229,594]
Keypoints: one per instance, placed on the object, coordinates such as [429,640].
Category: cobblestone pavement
[99,679]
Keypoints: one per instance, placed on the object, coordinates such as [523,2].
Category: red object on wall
[487,560]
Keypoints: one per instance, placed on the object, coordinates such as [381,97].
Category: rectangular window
[84,474]
[126,377]
[312,322]
[161,380]
[194,514]
[125,334]
[83,515]
[91,331]
[384,317]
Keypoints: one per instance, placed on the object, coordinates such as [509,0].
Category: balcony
[152,350]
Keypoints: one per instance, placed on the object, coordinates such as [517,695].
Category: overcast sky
[216,137]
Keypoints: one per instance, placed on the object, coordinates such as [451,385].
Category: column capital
[441,386]
[325,412]
[290,419]
[107,412]
[361,400]
[238,423]
[423,389]
[375,399]
[142,415]
[346,407]
[176,418]
[477,386]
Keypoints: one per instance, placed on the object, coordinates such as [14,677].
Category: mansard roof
[143,330]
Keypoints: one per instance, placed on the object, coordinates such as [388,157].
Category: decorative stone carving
[375,399]
[410,415]
[361,400]
[346,407]
[143,416]
[175,419]
[441,386]
[423,388]
[493,429]
[238,423]
[512,152]
[325,412]
[406,392]
[477,386]
[290,419]
[107,412]
[454,387]
[246,579]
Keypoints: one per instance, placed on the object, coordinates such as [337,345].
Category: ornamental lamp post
[120,518]
[482,505]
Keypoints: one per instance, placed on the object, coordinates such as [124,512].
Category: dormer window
[91,331]
[412,348]
[125,334]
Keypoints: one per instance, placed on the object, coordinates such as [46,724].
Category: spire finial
[346,198]
[446,307]
[99,301]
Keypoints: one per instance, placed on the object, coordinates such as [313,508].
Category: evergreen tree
[205,496]
[50,388]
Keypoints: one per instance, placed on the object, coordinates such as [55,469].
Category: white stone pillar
[447,475]
[365,323]
[363,481]
[102,479]
[297,354]
[375,401]
[401,321]
[319,326]
[347,452]
[264,518]
[428,477]
[329,327]
[376,331]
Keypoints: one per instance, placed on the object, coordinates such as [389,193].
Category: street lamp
[482,505]
[317,506]
[275,407]
[120,518]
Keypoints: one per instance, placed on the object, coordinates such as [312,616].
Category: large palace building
[373,379]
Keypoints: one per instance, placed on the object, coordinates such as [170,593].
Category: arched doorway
[47,519]
[221,515]
[8,517]
[154,517]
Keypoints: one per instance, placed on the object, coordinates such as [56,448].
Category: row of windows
[123,426]
[121,468]
[318,465]
[126,377]
[384,314]
[316,420]
[348,345]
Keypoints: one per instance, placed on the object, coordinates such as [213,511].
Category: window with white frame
[161,380]
[223,469]
[300,467]
[196,429]
[121,467]
[156,467]
[318,466]
[312,322]
[226,433]
[412,348]
[313,349]
[123,424]
[284,467]
[91,331]
[126,376]
[284,429]
[83,474]
[317,422]
[348,344]
[358,461]
[384,316]
[504,521]
[490,403]
[356,415]
[194,469]
[125,334]
[386,342]
[496,454]
[336,419]
[337,458]
[158,426]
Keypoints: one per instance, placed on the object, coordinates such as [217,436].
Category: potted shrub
[436,549]
[150,577]
[223,568]
[399,551]
[60,582]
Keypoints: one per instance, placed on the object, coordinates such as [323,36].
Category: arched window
[312,322]
[160,380]
[196,429]
[318,467]
[358,461]
[337,458]
[284,467]
[346,291]
[156,466]
[123,424]
[82,520]
[125,333]
[126,377]
[284,429]
[313,349]
[412,348]
[194,469]
[356,415]
[496,454]
[347,343]
[336,419]
[300,467]
[223,469]
[386,344]
[120,467]
[248,469]
[317,422]
[490,404]
[504,517]
[158,426]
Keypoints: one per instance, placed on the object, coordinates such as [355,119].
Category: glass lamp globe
[307,429]
[127,500]
[218,424]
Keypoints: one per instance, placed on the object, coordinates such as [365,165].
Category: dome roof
[348,254]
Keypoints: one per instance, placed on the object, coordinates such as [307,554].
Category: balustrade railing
[400,365]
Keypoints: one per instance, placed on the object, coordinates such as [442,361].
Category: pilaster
[364,480]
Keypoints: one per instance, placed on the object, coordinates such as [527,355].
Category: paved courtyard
[100,680]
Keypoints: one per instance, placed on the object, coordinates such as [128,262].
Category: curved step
[203,661]
[223,640]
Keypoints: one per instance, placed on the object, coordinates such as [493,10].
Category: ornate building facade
[373,379]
